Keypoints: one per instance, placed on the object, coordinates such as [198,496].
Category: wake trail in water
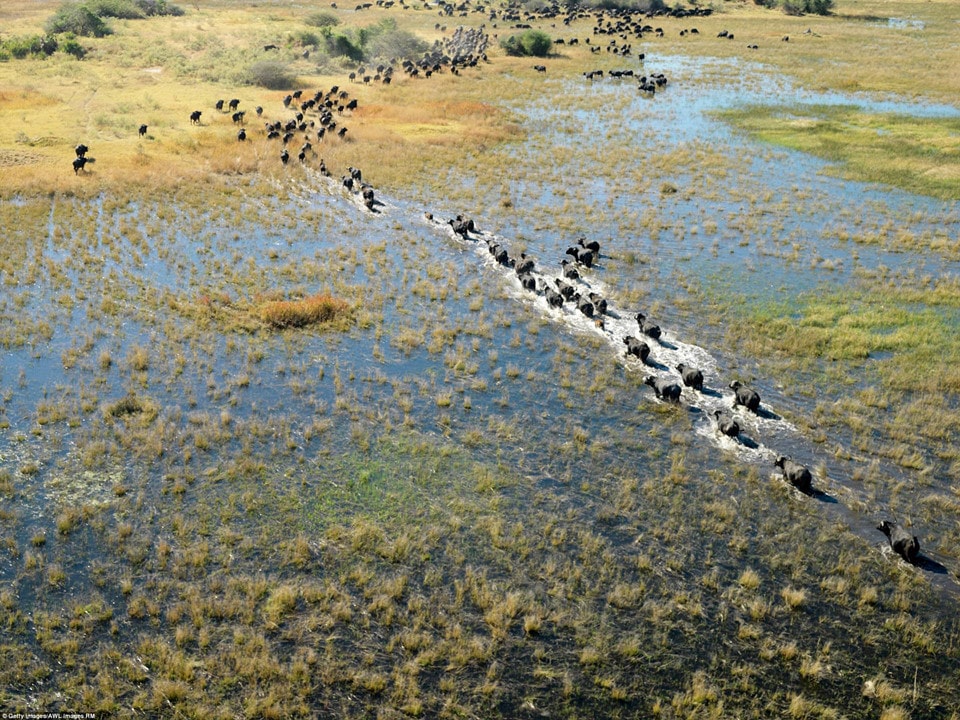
[665,353]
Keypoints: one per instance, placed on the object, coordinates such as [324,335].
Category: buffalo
[727,425]
[195,117]
[665,388]
[368,197]
[583,305]
[903,543]
[648,329]
[599,303]
[143,130]
[81,150]
[566,291]
[554,299]
[524,265]
[593,246]
[691,377]
[795,473]
[745,396]
[637,348]
[569,271]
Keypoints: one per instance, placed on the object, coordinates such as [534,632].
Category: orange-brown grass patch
[321,308]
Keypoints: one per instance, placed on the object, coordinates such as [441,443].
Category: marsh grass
[312,310]
[914,154]
[314,534]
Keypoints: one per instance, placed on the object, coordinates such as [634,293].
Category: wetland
[267,453]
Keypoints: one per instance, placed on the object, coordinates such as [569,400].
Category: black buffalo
[745,396]
[903,543]
[648,329]
[637,348]
[795,473]
[727,425]
[691,377]
[665,388]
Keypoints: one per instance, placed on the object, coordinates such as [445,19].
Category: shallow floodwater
[449,347]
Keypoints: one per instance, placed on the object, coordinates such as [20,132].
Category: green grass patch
[921,155]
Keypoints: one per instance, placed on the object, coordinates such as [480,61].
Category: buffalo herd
[467,48]
[666,387]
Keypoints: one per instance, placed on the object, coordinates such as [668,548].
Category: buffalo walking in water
[903,543]
[665,388]
[795,473]
[745,396]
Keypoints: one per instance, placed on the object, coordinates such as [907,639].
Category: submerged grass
[432,513]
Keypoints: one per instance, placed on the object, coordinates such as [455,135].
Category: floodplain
[265,452]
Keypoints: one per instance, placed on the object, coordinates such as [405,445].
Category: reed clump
[313,310]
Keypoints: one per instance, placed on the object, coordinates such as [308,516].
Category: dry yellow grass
[300,313]
[159,70]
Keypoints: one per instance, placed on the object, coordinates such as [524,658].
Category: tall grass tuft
[301,313]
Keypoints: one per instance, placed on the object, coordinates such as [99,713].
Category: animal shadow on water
[929,565]
[767,414]
[822,496]
[650,362]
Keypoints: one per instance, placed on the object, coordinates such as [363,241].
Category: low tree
[532,43]
[79,20]
[272,75]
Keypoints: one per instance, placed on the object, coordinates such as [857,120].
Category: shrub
[531,43]
[271,74]
[300,313]
[819,7]
[121,9]
[71,46]
[340,44]
[322,19]
[77,19]
[159,7]
[803,7]
[305,38]
[397,44]
[25,45]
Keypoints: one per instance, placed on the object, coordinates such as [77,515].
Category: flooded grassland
[455,500]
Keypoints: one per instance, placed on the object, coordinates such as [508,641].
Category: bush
[121,9]
[532,43]
[340,44]
[305,38]
[397,44]
[322,19]
[77,19]
[803,7]
[272,75]
[159,7]
[26,45]
[71,46]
